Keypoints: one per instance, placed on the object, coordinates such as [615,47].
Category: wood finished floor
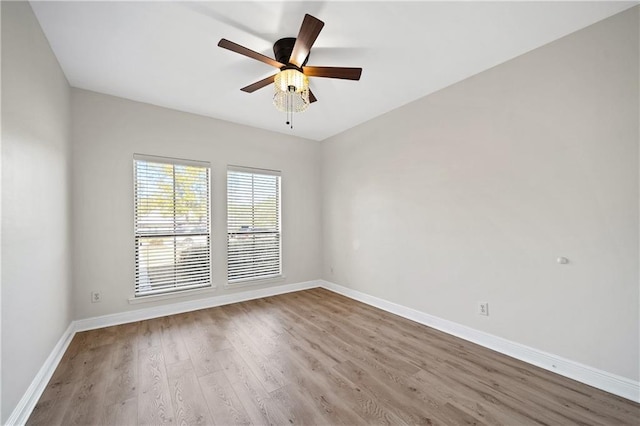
[311,357]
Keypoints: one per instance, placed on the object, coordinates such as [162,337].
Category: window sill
[259,281]
[178,294]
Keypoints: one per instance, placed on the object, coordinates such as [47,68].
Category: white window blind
[253,224]
[172,225]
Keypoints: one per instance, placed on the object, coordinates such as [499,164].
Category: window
[172,231]
[253,224]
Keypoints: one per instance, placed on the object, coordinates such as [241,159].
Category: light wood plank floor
[311,357]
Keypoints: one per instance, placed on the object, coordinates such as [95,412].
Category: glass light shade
[291,91]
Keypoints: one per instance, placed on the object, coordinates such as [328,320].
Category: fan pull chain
[291,119]
[289,109]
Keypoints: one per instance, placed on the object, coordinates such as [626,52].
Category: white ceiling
[166,54]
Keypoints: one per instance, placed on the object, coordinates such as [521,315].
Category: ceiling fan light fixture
[291,91]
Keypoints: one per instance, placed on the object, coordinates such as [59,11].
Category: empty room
[331,213]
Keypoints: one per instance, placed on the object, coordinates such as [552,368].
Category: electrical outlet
[483,308]
[95,297]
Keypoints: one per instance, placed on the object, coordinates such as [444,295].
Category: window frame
[259,279]
[178,289]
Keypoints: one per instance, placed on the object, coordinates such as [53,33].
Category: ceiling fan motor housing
[282,50]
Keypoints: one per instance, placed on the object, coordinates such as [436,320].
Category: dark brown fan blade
[259,84]
[234,47]
[312,97]
[307,35]
[333,72]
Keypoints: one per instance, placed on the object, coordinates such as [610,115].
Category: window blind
[172,225]
[253,224]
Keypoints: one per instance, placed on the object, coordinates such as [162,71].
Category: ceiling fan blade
[259,84]
[333,72]
[307,35]
[312,97]
[235,47]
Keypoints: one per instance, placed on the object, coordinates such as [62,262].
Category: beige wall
[471,194]
[36,283]
[107,131]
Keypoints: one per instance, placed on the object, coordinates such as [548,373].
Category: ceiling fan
[292,93]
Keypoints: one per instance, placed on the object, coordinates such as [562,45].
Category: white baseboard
[188,306]
[28,401]
[603,380]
